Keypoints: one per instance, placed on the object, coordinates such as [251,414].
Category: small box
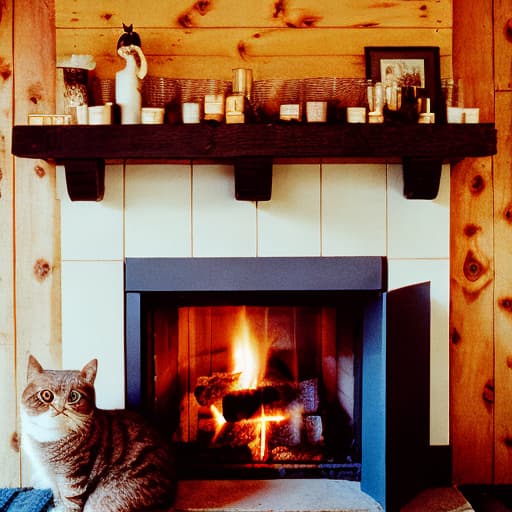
[214,107]
[455,115]
[190,113]
[290,112]
[356,114]
[471,115]
[316,111]
[375,117]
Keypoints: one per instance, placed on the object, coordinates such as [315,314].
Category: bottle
[128,80]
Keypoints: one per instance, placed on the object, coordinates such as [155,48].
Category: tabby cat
[94,460]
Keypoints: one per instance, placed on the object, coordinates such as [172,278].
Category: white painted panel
[222,226]
[354,209]
[158,210]
[418,228]
[289,224]
[403,273]
[93,230]
[93,324]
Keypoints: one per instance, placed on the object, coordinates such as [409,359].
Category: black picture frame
[420,66]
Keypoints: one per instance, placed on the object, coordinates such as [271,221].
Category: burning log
[210,390]
[245,403]
[237,434]
[314,429]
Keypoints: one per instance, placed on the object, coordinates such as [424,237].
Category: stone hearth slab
[294,495]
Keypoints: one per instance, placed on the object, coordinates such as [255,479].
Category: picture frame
[412,65]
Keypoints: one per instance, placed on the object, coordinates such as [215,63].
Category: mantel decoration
[251,122]
[407,70]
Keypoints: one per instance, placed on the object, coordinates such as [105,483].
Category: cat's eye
[74,397]
[46,396]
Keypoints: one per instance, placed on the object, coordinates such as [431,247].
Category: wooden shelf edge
[252,149]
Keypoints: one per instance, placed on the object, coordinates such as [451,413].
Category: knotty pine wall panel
[276,39]
[502,44]
[503,290]
[471,325]
[36,213]
[233,13]
[10,468]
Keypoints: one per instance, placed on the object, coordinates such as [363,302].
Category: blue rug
[25,500]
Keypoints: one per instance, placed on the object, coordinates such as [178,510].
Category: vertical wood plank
[503,288]
[472,269]
[471,326]
[502,44]
[10,468]
[37,274]
[472,48]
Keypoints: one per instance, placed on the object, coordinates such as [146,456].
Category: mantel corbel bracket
[253,178]
[85,178]
[422,177]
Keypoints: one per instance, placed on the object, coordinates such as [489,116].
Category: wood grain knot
[473,269]
[242,50]
[5,69]
[40,171]
[477,184]
[278,8]
[203,6]
[15,442]
[488,393]
[507,441]
[471,230]
[455,337]
[508,29]
[508,213]
[106,16]
[42,269]
[505,303]
[509,362]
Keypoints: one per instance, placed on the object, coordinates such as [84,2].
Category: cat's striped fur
[93,459]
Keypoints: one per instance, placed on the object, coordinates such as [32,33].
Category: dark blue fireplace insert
[393,359]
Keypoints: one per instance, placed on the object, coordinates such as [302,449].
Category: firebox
[283,368]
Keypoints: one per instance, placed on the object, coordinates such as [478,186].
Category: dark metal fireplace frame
[395,364]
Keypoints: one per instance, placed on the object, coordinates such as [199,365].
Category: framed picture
[409,66]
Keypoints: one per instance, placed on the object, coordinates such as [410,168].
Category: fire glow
[245,356]
[247,363]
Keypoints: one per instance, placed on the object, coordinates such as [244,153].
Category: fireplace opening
[261,386]
[340,367]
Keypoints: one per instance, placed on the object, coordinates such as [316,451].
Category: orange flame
[246,359]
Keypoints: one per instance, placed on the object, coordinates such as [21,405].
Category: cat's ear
[89,371]
[33,367]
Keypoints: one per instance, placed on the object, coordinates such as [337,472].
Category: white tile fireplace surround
[323,208]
